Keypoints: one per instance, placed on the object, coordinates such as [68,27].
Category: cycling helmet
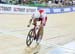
[41,10]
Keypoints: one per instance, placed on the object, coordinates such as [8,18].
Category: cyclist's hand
[28,25]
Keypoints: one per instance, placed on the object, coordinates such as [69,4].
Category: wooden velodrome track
[60,29]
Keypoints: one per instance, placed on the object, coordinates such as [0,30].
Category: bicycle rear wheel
[30,38]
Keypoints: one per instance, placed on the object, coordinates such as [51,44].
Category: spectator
[25,1]
[3,1]
[67,2]
[19,1]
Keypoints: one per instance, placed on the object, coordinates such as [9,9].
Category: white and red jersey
[40,15]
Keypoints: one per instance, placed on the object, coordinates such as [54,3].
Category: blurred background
[40,3]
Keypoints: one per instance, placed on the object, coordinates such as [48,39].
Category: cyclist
[39,15]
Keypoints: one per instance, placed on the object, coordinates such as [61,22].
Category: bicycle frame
[33,35]
[40,32]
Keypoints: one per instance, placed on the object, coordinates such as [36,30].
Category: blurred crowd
[46,3]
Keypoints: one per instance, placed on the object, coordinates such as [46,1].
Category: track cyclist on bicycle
[39,15]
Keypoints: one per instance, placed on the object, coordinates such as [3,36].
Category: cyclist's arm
[30,21]
[44,19]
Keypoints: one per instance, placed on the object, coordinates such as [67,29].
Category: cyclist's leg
[35,24]
[40,33]
[41,27]
[43,22]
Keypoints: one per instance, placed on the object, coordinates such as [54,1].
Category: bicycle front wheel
[30,38]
